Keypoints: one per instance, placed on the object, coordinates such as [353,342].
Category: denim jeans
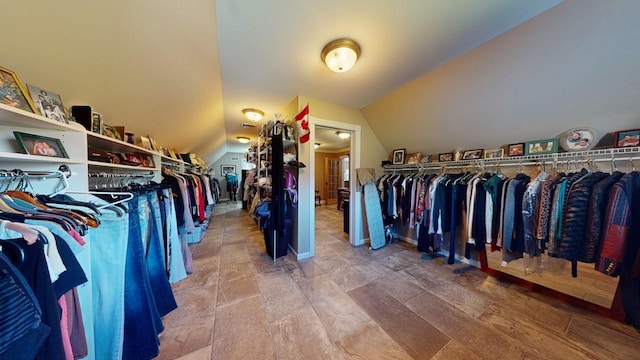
[141,319]
[109,243]
[160,287]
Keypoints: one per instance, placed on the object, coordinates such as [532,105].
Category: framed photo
[548,146]
[110,131]
[13,93]
[96,123]
[445,157]
[40,145]
[627,138]
[147,160]
[227,169]
[426,158]
[516,149]
[173,153]
[472,154]
[493,153]
[413,158]
[48,103]
[578,139]
[154,145]
[398,156]
[145,142]
[129,137]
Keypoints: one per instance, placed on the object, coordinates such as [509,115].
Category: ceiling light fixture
[253,114]
[316,145]
[243,139]
[343,135]
[341,54]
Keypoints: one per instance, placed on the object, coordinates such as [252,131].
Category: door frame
[355,197]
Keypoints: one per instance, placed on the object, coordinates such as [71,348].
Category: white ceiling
[270,50]
[182,71]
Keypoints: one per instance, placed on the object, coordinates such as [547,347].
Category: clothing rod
[120,175]
[563,158]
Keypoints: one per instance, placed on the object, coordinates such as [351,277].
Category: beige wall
[574,65]
[372,151]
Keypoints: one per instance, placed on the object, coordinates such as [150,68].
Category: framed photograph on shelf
[426,158]
[578,139]
[147,160]
[227,169]
[145,142]
[110,131]
[539,147]
[516,149]
[398,156]
[13,93]
[154,145]
[129,137]
[494,153]
[445,157]
[472,154]
[173,153]
[413,158]
[627,138]
[96,123]
[40,145]
[49,104]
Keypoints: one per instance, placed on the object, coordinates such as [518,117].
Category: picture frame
[413,158]
[48,104]
[13,93]
[173,153]
[227,169]
[398,156]
[129,137]
[627,138]
[472,154]
[110,131]
[154,145]
[145,143]
[444,157]
[32,144]
[494,153]
[425,158]
[516,149]
[578,139]
[96,123]
[147,160]
[539,147]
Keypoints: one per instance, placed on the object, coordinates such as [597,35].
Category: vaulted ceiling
[182,71]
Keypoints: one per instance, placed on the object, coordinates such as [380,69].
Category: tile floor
[353,303]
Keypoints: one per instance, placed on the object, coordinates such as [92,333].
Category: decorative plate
[578,139]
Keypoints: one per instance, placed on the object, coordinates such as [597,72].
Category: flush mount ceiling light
[243,139]
[316,145]
[253,114]
[340,55]
[343,135]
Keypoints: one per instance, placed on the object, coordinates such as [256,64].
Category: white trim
[355,211]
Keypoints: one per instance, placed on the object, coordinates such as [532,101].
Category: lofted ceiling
[270,50]
[182,71]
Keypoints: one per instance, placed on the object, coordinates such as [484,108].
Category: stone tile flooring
[354,303]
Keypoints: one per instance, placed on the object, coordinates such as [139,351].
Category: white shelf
[13,117]
[94,164]
[4,156]
[117,146]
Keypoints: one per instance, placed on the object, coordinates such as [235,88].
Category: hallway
[353,303]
